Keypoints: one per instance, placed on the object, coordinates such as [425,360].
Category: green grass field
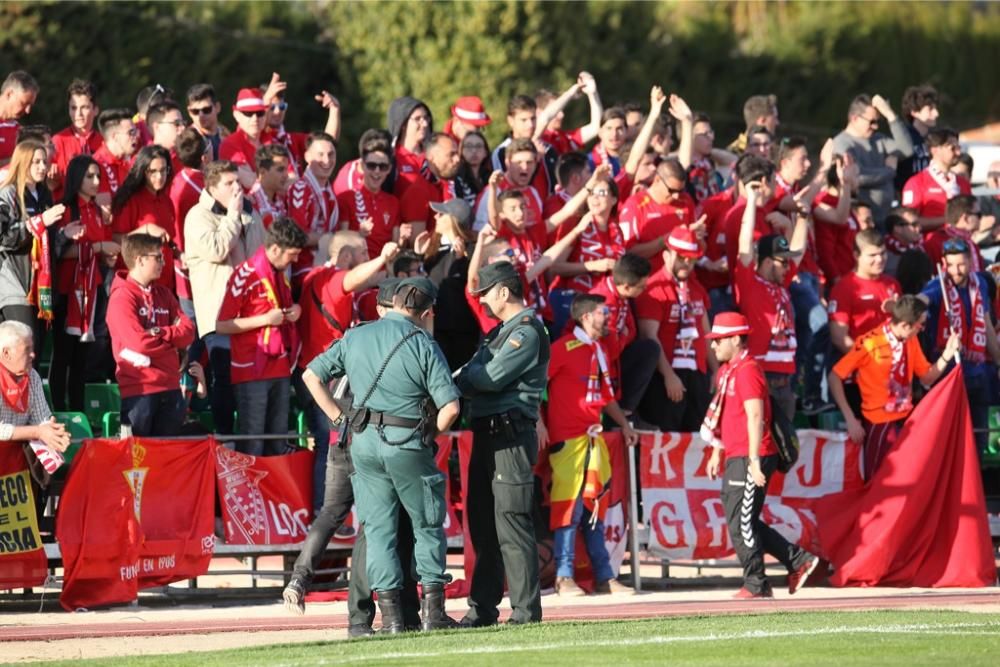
[958,639]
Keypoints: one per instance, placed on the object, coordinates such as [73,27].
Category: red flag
[921,521]
[265,499]
[22,557]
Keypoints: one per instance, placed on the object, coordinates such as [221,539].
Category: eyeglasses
[378,166]
[601,192]
[279,106]
[157,257]
[954,246]
[200,111]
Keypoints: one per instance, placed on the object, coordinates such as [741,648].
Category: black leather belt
[385,419]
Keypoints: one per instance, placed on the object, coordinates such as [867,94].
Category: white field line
[918,628]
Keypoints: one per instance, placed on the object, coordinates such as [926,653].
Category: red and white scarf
[947,180]
[685,356]
[40,292]
[326,220]
[711,429]
[953,317]
[600,391]
[782,344]
[269,209]
[596,243]
[897,247]
[86,277]
[900,397]
[273,341]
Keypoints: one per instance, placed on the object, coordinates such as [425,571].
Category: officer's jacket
[508,372]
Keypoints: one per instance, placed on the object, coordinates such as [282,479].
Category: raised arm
[656,101]
[745,248]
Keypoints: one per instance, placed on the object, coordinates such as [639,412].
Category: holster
[359,419]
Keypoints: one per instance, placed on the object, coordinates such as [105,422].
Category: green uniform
[392,466]
[505,380]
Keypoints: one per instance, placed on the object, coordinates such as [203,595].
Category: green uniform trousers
[385,477]
[500,504]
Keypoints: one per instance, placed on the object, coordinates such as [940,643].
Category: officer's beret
[493,273]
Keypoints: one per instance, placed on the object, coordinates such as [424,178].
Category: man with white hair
[24,413]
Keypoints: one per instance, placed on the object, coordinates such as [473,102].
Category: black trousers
[684,416]
[68,369]
[500,506]
[636,371]
[752,538]
[337,502]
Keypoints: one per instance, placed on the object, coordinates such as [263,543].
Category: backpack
[785,438]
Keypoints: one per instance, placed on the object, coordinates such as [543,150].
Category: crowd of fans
[162,250]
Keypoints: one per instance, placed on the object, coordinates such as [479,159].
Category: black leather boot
[432,609]
[392,612]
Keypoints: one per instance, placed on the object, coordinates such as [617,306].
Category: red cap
[249,100]
[684,242]
[729,324]
[470,110]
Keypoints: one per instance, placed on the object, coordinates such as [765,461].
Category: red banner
[22,557]
[134,514]
[684,510]
[265,499]
[922,519]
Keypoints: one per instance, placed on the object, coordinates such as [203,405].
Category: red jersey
[859,302]
[69,143]
[295,142]
[185,189]
[146,208]
[240,149]
[748,382]
[593,243]
[680,309]
[534,220]
[146,364]
[564,141]
[8,138]
[380,207]
[569,413]
[269,209]
[834,243]
[246,296]
[408,167]
[350,177]
[622,326]
[768,307]
[115,170]
[415,205]
[643,219]
[714,209]
[314,208]
[934,245]
[327,311]
[928,191]
[526,252]
[731,225]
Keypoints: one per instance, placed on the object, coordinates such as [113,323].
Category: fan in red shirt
[962,215]
[17,96]
[167,121]
[564,205]
[294,142]
[370,210]
[793,193]
[753,168]
[311,202]
[703,174]
[148,330]
[434,184]
[836,225]
[80,138]
[550,116]
[521,161]
[862,300]
[522,118]
[762,294]
[143,203]
[928,191]
[647,218]
[241,146]
[713,270]
[259,316]
[673,310]
[194,150]
[269,195]
[410,124]
[121,141]
[351,176]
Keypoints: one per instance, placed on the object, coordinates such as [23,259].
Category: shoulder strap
[327,315]
[388,358]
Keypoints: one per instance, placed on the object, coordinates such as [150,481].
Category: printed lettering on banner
[672,529]
[18,523]
[821,467]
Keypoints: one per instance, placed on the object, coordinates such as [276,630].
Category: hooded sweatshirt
[147,364]
[408,164]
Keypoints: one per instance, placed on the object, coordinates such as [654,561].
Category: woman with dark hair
[142,204]
[475,167]
[26,219]
[82,244]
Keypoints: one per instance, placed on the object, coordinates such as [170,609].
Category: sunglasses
[955,246]
[601,192]
[378,166]
[200,111]
[279,106]
[258,114]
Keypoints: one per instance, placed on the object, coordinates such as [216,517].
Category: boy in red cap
[467,115]
[739,421]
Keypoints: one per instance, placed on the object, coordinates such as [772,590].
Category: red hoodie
[147,364]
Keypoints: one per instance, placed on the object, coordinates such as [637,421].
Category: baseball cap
[471,110]
[729,324]
[493,273]
[684,242]
[249,100]
[457,208]
[774,246]
[386,289]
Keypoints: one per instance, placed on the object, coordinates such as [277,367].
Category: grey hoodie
[399,113]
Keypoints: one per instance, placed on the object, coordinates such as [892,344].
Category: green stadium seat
[993,446]
[831,421]
[112,424]
[99,399]
[79,428]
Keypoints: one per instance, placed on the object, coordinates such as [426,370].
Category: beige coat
[216,242]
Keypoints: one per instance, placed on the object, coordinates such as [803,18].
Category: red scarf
[526,253]
[711,430]
[274,341]
[595,243]
[783,329]
[900,389]
[953,317]
[86,277]
[897,247]
[40,292]
[15,391]
[600,391]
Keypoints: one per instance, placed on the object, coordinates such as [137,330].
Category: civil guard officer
[505,380]
[395,369]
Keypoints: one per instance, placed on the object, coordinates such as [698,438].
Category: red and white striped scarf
[711,431]
[600,391]
[952,317]
[900,390]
